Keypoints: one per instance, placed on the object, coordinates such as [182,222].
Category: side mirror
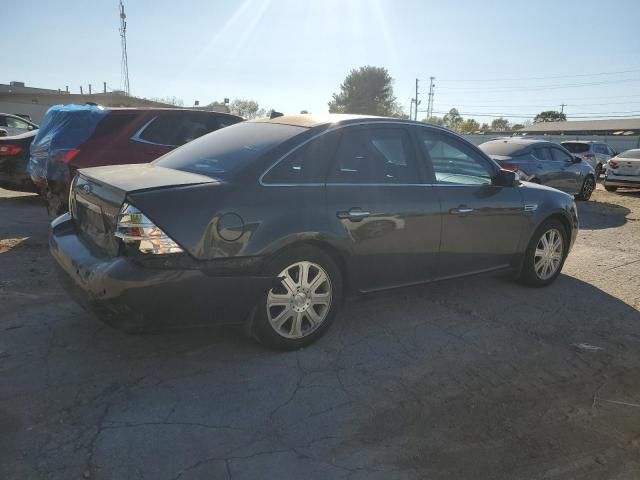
[577,159]
[506,178]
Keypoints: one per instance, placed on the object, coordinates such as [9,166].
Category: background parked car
[15,125]
[543,162]
[80,136]
[282,217]
[623,171]
[14,156]
[594,153]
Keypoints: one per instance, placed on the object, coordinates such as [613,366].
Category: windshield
[630,154]
[576,147]
[228,149]
[502,147]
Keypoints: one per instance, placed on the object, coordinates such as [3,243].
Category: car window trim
[404,124]
[137,138]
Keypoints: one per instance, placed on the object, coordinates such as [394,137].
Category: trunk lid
[98,194]
[626,167]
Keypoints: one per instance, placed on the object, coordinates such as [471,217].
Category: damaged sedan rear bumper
[131,296]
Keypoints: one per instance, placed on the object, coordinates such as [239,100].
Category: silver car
[15,125]
[543,162]
[594,153]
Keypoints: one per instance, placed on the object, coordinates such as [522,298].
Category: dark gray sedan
[270,223]
[547,163]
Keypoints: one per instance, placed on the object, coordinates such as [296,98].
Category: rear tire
[609,188]
[302,307]
[544,258]
[588,186]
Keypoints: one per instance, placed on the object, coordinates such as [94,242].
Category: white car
[15,125]
[623,171]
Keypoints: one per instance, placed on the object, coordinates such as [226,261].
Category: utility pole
[81,90]
[415,112]
[431,94]
[124,65]
[89,89]
[562,107]
[104,87]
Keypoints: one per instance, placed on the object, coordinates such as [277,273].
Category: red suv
[80,136]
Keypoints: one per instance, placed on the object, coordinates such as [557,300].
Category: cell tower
[124,66]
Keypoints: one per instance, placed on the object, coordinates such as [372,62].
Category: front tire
[546,254]
[300,309]
[588,186]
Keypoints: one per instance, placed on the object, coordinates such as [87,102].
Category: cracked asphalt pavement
[479,378]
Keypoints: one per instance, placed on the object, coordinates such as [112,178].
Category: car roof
[165,109]
[518,141]
[312,120]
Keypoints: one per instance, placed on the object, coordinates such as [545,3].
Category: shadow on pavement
[600,215]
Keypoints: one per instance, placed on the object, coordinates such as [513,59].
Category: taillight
[509,166]
[8,149]
[135,227]
[613,164]
[70,155]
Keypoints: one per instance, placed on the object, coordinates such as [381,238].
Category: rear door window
[375,155]
[542,153]
[160,130]
[307,164]
[178,128]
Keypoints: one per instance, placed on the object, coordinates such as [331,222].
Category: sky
[489,58]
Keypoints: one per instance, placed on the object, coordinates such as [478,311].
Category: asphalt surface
[479,378]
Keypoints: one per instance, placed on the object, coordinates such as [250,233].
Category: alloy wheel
[300,304]
[588,187]
[548,254]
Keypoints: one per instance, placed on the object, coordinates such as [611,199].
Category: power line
[523,115]
[545,105]
[540,87]
[542,78]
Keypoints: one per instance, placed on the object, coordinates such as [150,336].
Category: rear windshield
[575,147]
[502,147]
[228,149]
[630,154]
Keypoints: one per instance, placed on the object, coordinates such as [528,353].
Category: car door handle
[461,210]
[354,214]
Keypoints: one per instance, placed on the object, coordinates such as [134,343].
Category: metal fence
[617,142]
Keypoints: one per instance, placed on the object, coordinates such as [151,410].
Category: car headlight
[133,227]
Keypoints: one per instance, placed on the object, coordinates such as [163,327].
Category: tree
[485,128]
[550,116]
[517,126]
[245,108]
[434,121]
[366,90]
[500,125]
[452,120]
[469,126]
[168,100]
[304,112]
